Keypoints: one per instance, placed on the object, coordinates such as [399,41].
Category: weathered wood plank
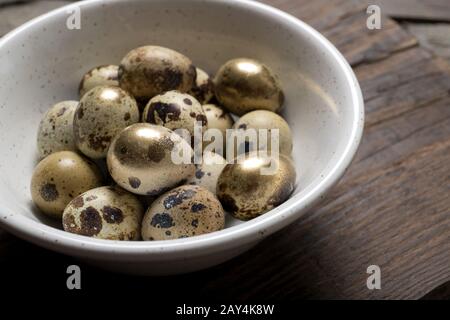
[320,14]
[387,142]
[361,45]
[344,23]
[432,36]
[433,10]
[397,85]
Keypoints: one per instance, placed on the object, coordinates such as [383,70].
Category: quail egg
[263,119]
[101,114]
[99,76]
[147,159]
[219,119]
[175,110]
[255,184]
[183,212]
[151,70]
[207,173]
[203,89]
[59,178]
[243,85]
[105,213]
[55,131]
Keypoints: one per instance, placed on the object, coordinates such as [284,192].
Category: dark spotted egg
[59,178]
[183,212]
[255,184]
[151,70]
[55,131]
[106,75]
[207,173]
[105,213]
[203,89]
[175,110]
[268,120]
[218,119]
[101,114]
[147,159]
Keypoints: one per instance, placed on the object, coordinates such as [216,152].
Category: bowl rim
[229,238]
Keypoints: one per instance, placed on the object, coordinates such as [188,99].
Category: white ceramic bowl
[43,61]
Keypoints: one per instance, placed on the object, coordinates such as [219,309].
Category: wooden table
[392,208]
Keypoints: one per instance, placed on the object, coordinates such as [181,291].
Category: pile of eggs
[106,168]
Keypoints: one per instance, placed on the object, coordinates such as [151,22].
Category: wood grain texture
[344,22]
[432,36]
[432,10]
[390,209]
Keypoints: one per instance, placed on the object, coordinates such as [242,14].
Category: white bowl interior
[44,62]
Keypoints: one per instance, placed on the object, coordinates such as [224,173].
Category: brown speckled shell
[140,161]
[203,89]
[183,212]
[175,110]
[246,193]
[263,119]
[207,173]
[59,178]
[55,131]
[243,85]
[107,75]
[106,213]
[218,119]
[101,114]
[151,70]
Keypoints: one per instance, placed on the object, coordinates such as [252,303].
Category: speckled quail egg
[183,212]
[151,70]
[217,118]
[203,89]
[263,119]
[105,213]
[255,185]
[55,131]
[101,114]
[141,159]
[59,178]
[99,76]
[243,85]
[207,173]
[175,110]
